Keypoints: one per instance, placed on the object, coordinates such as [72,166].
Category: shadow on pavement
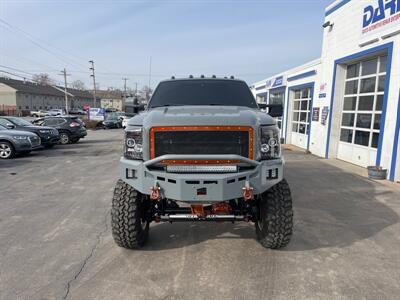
[332,208]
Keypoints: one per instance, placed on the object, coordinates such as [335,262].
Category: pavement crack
[85,261]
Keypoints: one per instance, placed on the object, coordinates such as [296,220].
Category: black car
[71,128]
[14,141]
[48,136]
[112,121]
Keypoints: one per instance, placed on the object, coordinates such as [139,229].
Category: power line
[10,73]
[24,72]
[34,40]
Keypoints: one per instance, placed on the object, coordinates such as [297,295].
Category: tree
[78,84]
[42,78]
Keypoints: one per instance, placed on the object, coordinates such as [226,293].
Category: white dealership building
[346,104]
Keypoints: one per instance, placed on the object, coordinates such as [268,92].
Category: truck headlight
[270,145]
[133,148]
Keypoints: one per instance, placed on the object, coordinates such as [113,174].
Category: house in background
[111,99]
[18,97]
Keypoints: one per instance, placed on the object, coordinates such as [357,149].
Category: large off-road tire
[274,226]
[130,229]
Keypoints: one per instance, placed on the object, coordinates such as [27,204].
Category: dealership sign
[384,12]
[278,81]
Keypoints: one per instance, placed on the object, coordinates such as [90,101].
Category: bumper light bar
[201,169]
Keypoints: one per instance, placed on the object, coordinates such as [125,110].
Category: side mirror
[275,110]
[10,126]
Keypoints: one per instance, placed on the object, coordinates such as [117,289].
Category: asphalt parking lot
[55,239]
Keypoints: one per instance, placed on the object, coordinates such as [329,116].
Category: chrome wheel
[64,138]
[6,150]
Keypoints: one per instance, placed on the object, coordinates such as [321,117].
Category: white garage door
[362,110]
[301,117]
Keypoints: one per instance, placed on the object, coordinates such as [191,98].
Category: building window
[362,103]
[301,111]
[261,99]
[277,98]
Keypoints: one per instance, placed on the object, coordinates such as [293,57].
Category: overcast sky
[247,39]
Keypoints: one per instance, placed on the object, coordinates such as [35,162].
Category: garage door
[301,117]
[362,111]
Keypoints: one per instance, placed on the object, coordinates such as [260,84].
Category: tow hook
[155,192]
[247,192]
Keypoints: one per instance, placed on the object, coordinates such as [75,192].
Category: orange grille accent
[249,129]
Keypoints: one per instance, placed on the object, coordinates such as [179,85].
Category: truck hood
[202,115]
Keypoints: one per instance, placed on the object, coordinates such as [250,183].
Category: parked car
[48,136]
[56,112]
[120,114]
[71,128]
[39,113]
[112,121]
[76,111]
[14,142]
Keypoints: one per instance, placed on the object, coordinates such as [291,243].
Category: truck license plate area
[201,191]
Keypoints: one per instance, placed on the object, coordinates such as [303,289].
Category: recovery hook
[155,192]
[247,192]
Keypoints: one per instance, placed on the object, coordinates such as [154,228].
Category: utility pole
[135,89]
[149,86]
[94,82]
[64,73]
[150,74]
[125,79]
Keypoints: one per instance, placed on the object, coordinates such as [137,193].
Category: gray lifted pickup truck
[202,151]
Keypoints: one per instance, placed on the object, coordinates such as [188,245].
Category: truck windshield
[202,92]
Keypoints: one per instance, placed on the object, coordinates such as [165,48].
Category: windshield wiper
[166,105]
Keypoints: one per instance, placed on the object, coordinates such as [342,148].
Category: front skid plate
[196,218]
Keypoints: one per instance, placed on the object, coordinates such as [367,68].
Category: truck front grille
[205,140]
